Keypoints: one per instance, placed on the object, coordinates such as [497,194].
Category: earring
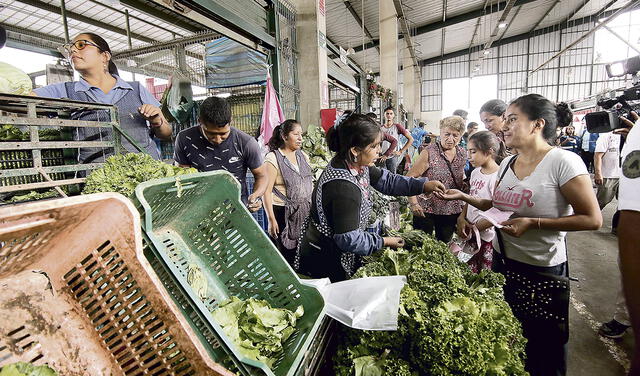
[355,159]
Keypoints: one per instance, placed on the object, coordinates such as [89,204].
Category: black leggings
[288,254]
[444,225]
[546,347]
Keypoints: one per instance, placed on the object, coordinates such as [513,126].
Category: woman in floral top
[444,161]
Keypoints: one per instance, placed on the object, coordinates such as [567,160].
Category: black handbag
[537,299]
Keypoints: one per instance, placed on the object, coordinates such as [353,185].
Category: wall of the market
[576,74]
[432,119]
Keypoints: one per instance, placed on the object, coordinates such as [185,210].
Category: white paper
[496,216]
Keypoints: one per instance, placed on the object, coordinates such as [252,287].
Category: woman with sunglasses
[335,238]
[139,113]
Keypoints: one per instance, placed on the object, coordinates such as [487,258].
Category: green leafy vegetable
[33,196]
[257,329]
[380,207]
[451,322]
[122,173]
[10,132]
[26,369]
[315,145]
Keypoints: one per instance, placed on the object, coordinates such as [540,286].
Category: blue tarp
[230,64]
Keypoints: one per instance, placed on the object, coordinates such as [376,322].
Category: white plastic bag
[370,303]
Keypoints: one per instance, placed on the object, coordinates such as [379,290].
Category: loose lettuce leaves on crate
[26,369]
[257,329]
[122,173]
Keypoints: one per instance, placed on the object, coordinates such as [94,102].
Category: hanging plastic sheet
[230,64]
[177,100]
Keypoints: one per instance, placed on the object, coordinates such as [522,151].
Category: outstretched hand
[434,186]
[450,195]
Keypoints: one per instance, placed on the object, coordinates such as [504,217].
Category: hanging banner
[272,114]
[231,64]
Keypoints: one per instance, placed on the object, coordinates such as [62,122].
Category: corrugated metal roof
[459,36]
[342,28]
[46,21]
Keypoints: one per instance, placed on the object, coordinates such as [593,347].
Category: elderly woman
[444,161]
[138,110]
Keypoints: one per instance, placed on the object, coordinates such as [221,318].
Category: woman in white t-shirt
[287,200]
[549,192]
[485,149]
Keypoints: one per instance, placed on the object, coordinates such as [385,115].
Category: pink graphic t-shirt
[481,185]
[538,195]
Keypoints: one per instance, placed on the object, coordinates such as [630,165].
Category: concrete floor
[593,261]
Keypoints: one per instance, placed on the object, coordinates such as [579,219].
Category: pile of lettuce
[315,145]
[10,132]
[451,322]
[26,369]
[122,173]
[258,330]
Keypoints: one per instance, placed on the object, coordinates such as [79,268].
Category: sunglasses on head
[79,45]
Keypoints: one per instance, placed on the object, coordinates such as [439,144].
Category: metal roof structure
[442,28]
[37,25]
[43,18]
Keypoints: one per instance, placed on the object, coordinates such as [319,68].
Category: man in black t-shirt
[215,145]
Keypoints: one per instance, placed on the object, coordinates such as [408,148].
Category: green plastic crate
[203,234]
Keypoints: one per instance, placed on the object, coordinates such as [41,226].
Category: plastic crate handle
[19,227]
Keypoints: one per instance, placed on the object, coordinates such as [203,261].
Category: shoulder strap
[67,86]
[503,250]
[453,176]
[504,172]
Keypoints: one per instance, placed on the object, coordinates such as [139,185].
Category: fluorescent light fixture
[616,69]
[486,52]
[223,95]
[624,67]
[502,25]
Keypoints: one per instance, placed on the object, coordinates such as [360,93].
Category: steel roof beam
[154,12]
[544,16]
[524,36]
[450,21]
[79,17]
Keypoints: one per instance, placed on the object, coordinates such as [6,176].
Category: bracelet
[538,223]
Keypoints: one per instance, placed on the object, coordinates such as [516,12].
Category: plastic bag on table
[370,303]
[465,249]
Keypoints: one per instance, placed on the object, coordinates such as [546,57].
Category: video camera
[620,106]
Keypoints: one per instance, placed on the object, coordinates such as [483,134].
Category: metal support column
[360,95]
[126,17]
[63,11]
[274,55]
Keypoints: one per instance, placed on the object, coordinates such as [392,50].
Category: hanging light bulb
[351,51]
[502,25]
[486,52]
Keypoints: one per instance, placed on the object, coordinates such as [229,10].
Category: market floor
[593,261]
